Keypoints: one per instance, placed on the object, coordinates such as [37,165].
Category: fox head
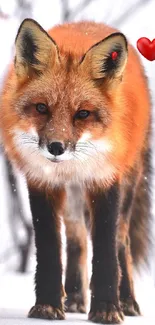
[60,111]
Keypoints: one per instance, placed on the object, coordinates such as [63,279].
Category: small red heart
[146,48]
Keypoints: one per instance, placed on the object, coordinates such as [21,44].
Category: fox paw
[46,312]
[75,304]
[107,313]
[130,307]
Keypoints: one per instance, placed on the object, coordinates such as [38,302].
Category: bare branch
[127,14]
[3,15]
[69,15]
[65,10]
[24,9]
[17,216]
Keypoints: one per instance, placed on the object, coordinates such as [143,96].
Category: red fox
[75,118]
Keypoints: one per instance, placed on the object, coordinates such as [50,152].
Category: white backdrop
[135,19]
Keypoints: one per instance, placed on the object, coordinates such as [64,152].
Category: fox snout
[56,148]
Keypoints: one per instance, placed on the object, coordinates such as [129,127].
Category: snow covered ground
[17,297]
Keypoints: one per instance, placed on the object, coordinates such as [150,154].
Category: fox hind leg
[127,296]
[76,282]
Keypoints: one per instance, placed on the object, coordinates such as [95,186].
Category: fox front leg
[48,277]
[105,305]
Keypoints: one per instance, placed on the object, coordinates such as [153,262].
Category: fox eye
[83,114]
[41,108]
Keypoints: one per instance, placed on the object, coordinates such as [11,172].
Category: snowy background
[135,18]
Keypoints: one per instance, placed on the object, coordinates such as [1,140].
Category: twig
[127,14]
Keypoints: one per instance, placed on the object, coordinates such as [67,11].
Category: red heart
[146,48]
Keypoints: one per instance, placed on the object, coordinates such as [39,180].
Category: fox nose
[56,148]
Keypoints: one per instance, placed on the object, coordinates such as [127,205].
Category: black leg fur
[127,295]
[129,304]
[135,233]
[76,277]
[105,307]
[76,283]
[48,276]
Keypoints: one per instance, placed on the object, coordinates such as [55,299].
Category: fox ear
[34,49]
[107,59]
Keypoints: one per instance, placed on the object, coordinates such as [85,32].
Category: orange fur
[127,102]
